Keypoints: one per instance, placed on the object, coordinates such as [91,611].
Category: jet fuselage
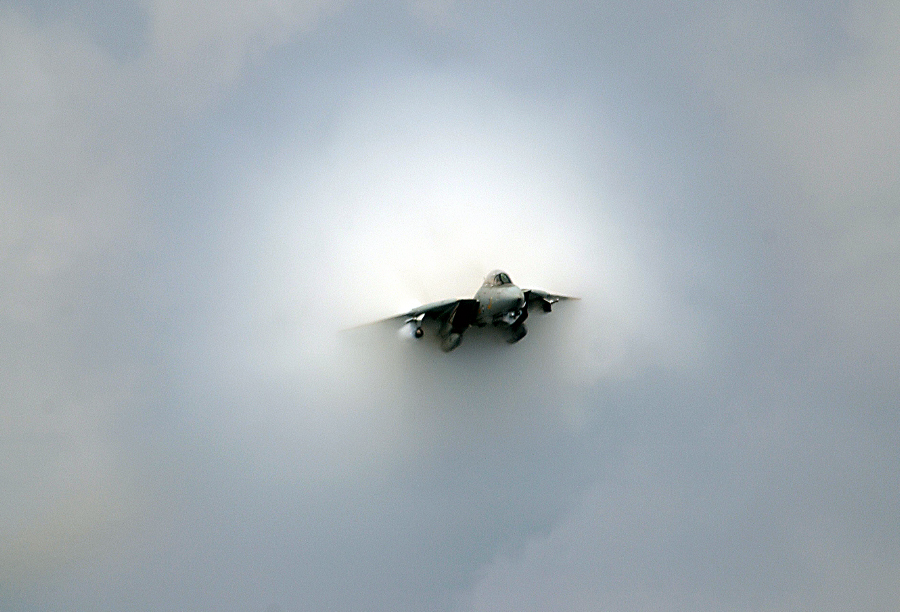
[499,305]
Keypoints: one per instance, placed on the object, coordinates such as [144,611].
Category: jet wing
[442,311]
[534,297]
[439,311]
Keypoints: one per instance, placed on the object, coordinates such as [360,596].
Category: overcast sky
[197,197]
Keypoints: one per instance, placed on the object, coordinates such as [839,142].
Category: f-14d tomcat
[498,302]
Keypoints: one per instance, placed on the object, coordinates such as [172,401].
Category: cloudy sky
[198,199]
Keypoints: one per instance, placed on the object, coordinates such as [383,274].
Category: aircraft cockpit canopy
[497,278]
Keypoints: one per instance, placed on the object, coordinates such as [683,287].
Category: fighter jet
[498,302]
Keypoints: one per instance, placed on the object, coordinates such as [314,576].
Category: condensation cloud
[200,207]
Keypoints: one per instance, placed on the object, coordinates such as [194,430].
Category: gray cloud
[191,212]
